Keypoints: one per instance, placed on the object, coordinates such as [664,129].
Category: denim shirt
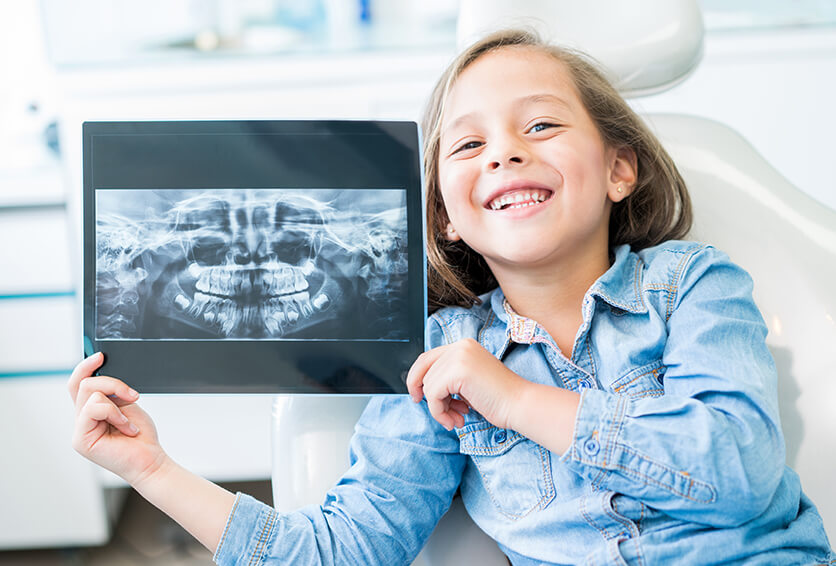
[677,454]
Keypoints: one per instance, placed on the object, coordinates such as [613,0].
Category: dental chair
[784,238]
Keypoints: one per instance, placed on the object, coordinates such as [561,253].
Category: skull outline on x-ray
[253,264]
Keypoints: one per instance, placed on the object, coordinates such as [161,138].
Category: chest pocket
[516,472]
[645,381]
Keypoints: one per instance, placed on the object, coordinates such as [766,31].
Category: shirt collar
[620,287]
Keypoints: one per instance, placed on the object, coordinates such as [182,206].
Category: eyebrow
[521,101]
[544,97]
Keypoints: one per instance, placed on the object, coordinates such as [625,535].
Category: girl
[599,391]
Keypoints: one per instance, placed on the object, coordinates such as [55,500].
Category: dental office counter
[227,438]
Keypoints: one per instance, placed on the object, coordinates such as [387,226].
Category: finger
[118,391]
[415,376]
[457,418]
[85,368]
[100,409]
[459,407]
[439,411]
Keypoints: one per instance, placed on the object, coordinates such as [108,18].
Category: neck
[553,294]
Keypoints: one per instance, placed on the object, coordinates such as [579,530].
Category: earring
[620,189]
[451,233]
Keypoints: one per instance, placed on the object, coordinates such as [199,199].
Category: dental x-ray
[254,264]
[254,256]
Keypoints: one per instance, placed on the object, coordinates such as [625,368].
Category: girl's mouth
[519,199]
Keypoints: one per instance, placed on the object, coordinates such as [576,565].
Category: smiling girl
[597,389]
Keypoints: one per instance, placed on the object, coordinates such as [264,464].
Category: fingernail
[133,392]
[132,427]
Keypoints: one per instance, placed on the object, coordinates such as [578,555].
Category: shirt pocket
[516,472]
[644,381]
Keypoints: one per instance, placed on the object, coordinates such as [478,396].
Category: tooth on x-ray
[249,263]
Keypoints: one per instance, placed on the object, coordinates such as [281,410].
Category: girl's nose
[506,154]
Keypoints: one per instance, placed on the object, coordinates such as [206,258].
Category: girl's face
[523,172]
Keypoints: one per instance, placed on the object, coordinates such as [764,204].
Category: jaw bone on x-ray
[251,264]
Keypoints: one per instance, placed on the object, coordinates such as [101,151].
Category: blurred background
[768,71]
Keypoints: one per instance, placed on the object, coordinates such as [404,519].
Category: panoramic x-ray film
[253,264]
[275,257]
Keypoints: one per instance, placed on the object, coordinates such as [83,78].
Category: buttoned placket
[572,373]
[596,506]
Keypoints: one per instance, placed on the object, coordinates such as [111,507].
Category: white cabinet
[50,495]
[34,249]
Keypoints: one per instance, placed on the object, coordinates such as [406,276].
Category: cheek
[456,204]
[448,184]
[586,167]
[456,182]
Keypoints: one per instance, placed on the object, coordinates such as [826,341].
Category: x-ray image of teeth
[252,264]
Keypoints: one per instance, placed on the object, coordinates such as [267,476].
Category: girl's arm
[115,433]
[405,471]
[198,505]
[542,413]
[709,450]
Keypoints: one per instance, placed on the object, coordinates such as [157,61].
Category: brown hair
[657,209]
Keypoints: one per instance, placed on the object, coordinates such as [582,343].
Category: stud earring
[620,189]
[451,233]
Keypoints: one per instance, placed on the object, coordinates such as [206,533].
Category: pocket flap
[484,439]
[641,382]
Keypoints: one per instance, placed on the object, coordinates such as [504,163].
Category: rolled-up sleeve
[405,469]
[710,449]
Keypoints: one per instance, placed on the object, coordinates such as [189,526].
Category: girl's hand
[110,429]
[466,369]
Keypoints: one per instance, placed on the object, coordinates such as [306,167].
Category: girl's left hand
[466,369]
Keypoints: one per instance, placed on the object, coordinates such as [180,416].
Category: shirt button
[591,447]
[500,436]
[583,384]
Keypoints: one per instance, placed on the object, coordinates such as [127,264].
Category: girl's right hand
[110,429]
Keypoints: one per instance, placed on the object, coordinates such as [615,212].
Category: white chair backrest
[646,46]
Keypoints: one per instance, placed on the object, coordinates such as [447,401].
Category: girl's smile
[518,194]
[525,177]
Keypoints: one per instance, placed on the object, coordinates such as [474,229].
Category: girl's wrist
[518,405]
[159,468]
[546,415]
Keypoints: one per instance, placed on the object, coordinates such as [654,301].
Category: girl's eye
[468,145]
[540,126]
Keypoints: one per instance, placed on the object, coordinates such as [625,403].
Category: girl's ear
[451,234]
[623,174]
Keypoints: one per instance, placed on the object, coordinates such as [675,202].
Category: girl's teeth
[518,200]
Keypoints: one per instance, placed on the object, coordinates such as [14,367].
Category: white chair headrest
[646,46]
